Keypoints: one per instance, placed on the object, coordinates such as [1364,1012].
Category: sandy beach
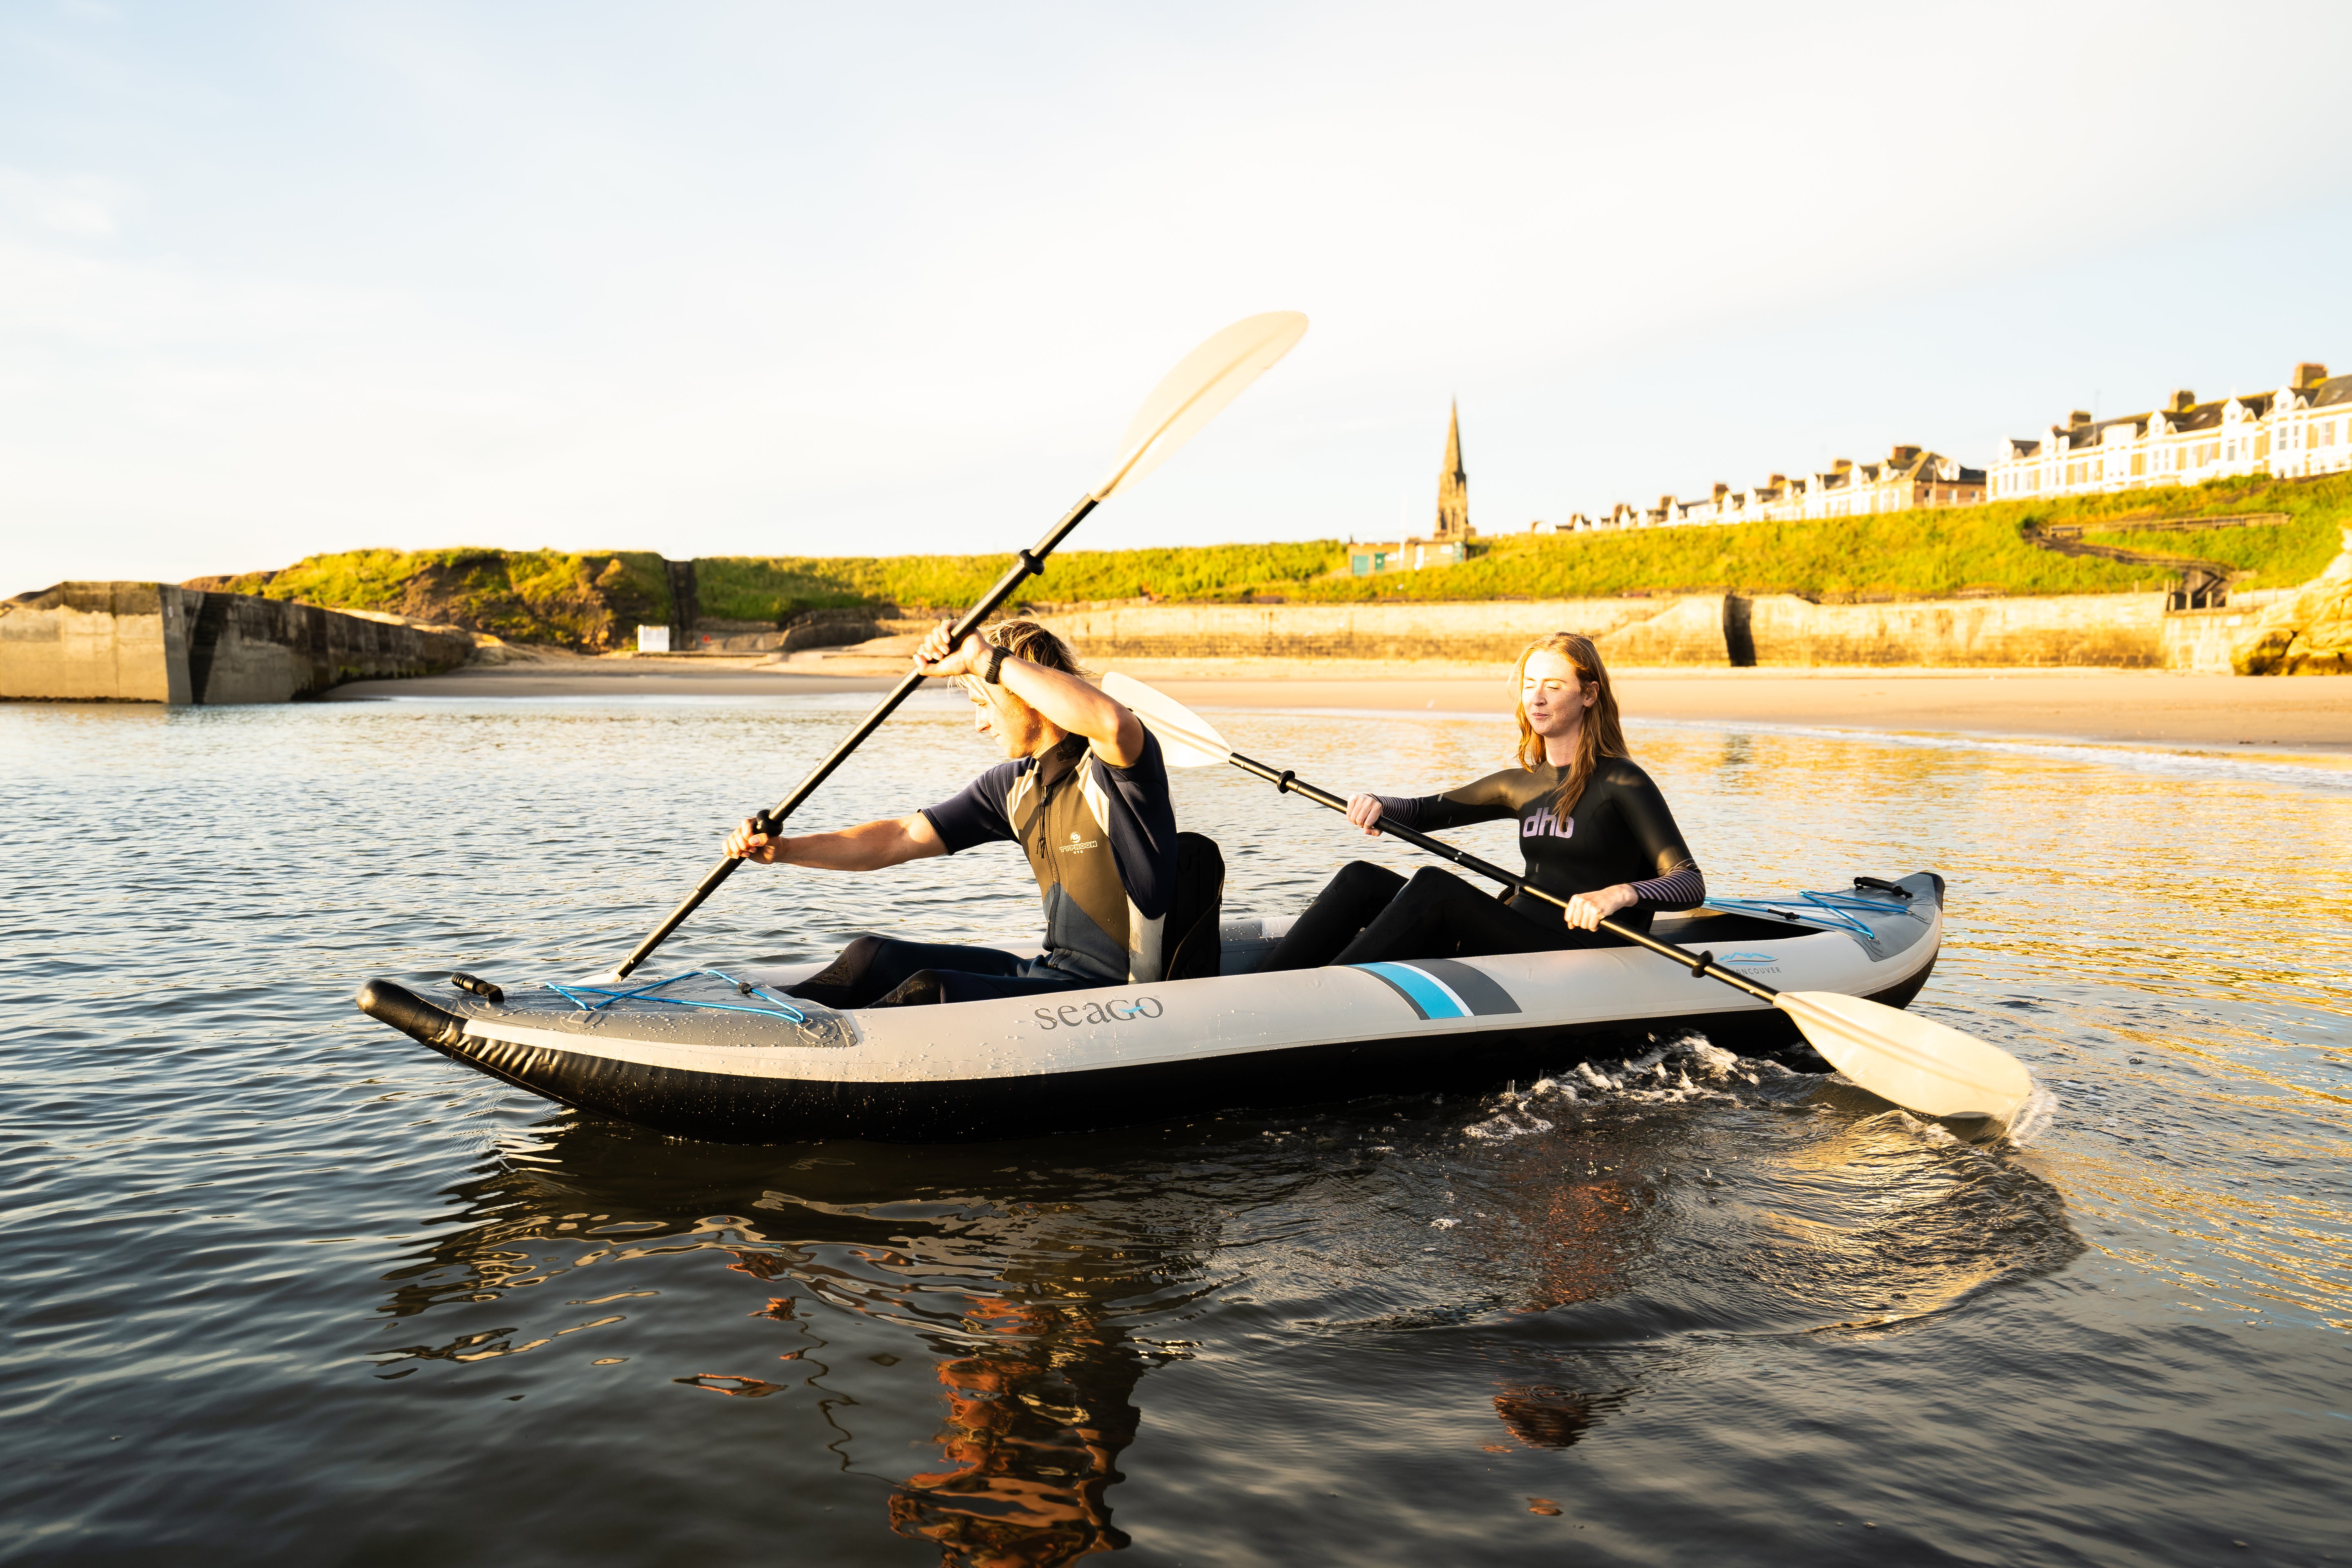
[2112,707]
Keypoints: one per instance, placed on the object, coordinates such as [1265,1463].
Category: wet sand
[2113,706]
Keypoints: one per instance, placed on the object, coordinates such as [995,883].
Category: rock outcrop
[2310,634]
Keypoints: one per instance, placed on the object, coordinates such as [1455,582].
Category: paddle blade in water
[1198,389]
[1917,1063]
[1186,740]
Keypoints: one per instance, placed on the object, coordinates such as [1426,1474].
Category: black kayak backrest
[1193,920]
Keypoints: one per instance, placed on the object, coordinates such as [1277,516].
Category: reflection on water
[278,1277]
[1037,1416]
[1033,1298]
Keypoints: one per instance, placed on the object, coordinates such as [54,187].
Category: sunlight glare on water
[286,1287]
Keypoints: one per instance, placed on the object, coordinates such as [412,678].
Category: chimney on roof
[2183,401]
[2308,375]
[2077,419]
[1840,465]
[1721,489]
[1777,480]
[1903,456]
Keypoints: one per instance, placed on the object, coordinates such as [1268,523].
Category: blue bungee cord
[781,1008]
[1829,909]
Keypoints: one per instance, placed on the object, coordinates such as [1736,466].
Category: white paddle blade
[1197,391]
[1186,740]
[1920,1065]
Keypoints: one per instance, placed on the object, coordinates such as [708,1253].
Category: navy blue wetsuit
[1102,844]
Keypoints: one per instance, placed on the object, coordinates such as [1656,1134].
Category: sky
[276,280]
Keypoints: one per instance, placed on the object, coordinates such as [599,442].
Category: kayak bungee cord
[1828,909]
[572,991]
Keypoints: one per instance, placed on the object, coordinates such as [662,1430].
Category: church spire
[1454,485]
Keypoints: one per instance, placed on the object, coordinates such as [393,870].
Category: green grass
[776,588]
[1913,554]
[594,599]
[2277,557]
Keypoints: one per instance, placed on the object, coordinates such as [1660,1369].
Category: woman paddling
[1592,826]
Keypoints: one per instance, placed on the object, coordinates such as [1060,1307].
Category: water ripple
[283,1286]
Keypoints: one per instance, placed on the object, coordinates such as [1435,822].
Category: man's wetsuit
[1618,831]
[1102,843]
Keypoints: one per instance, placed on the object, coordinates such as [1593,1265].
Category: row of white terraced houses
[2305,427]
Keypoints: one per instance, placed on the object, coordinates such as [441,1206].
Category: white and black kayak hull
[734,1069]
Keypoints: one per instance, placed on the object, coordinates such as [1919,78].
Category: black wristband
[994,673]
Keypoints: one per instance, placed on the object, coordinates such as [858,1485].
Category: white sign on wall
[653,639]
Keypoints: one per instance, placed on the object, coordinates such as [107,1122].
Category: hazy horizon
[755,281]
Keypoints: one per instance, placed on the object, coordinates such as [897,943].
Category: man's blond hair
[1027,639]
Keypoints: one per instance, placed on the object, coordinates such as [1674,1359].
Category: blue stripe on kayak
[1429,998]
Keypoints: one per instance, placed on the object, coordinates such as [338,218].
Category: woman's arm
[1643,815]
[1489,799]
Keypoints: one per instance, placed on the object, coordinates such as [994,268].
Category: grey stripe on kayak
[1474,986]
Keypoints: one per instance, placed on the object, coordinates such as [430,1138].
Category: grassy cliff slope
[590,601]
[1906,555]
[769,587]
[594,600]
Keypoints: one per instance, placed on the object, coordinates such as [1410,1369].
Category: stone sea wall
[2125,631]
[151,642]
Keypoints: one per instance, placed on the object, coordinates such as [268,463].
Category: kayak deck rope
[1829,909]
[781,1009]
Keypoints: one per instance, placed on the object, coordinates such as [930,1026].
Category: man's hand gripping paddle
[1917,1063]
[1191,395]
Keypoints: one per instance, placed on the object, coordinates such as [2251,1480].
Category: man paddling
[1084,795]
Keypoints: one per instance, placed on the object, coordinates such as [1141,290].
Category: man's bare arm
[868,847]
[1066,701]
[1076,706]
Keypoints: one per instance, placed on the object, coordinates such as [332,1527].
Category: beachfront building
[1449,541]
[2301,428]
[2311,424]
[1910,478]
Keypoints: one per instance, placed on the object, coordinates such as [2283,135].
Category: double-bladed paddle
[1188,397]
[1914,1062]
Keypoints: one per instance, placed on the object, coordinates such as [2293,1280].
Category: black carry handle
[1701,964]
[1028,563]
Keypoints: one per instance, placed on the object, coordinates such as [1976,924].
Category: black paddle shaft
[1028,563]
[1699,964]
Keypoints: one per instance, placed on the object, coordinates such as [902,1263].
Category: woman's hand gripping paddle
[1188,397]
[1917,1063]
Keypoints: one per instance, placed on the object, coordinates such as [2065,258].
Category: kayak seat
[1199,900]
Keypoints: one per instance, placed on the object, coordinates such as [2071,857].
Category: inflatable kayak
[728,1056]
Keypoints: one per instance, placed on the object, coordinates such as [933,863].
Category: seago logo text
[1118,1010]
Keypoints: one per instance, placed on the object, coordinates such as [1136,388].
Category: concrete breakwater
[151,642]
[2124,631]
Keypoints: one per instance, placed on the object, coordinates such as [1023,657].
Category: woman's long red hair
[1601,735]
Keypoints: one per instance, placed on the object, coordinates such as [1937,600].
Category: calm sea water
[283,1286]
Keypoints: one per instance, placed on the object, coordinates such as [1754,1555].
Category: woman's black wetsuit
[1618,831]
